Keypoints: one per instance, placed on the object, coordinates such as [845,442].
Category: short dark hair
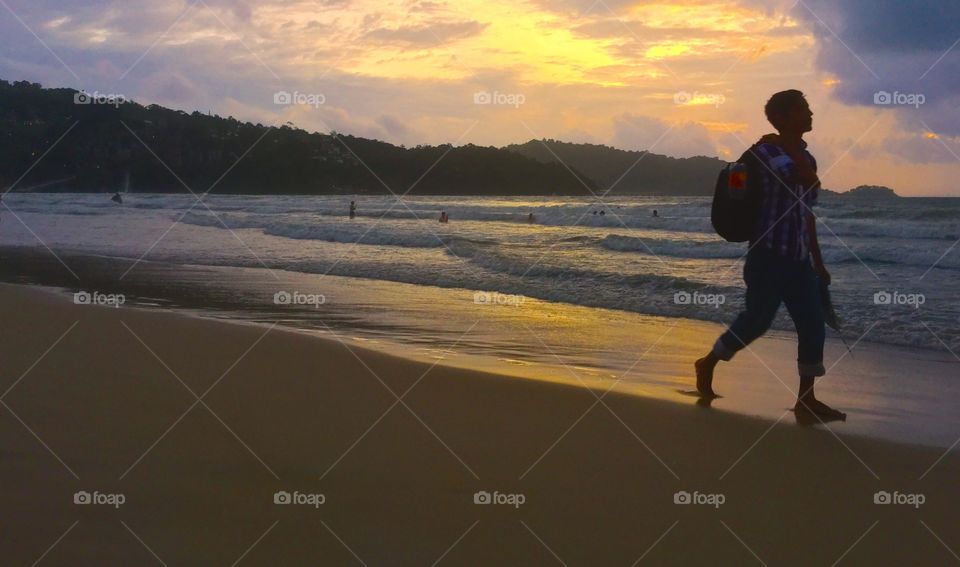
[781,103]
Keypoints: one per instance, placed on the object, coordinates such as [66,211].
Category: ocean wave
[888,229]
[675,248]
[920,253]
[363,233]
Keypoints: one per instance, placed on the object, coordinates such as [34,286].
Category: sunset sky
[681,78]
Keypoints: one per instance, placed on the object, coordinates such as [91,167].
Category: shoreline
[547,341]
[31,256]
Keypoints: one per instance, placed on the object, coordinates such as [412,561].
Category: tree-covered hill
[153,146]
[654,174]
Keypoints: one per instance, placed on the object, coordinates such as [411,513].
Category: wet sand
[104,400]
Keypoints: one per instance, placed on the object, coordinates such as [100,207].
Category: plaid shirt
[782,227]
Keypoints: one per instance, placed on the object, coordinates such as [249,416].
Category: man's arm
[815,249]
[798,168]
[805,172]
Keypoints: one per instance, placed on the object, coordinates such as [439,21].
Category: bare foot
[813,406]
[704,378]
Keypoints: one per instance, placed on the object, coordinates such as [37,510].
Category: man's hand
[822,272]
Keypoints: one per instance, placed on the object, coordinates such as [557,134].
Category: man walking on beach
[783,262]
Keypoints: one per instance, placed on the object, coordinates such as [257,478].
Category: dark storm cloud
[891,46]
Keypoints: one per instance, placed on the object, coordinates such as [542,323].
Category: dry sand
[89,407]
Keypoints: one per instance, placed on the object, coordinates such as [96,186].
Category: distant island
[157,149]
[872,192]
[863,192]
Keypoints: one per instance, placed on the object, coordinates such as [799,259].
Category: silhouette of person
[784,264]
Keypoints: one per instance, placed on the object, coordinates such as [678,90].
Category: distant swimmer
[602,213]
[117,198]
[353,209]
[594,212]
[530,218]
[655,215]
[443,217]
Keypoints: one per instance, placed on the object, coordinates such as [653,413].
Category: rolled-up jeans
[772,279]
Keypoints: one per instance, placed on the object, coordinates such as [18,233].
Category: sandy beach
[429,283]
[196,425]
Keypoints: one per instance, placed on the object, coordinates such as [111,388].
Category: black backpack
[736,219]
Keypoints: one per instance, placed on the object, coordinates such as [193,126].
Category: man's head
[789,112]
